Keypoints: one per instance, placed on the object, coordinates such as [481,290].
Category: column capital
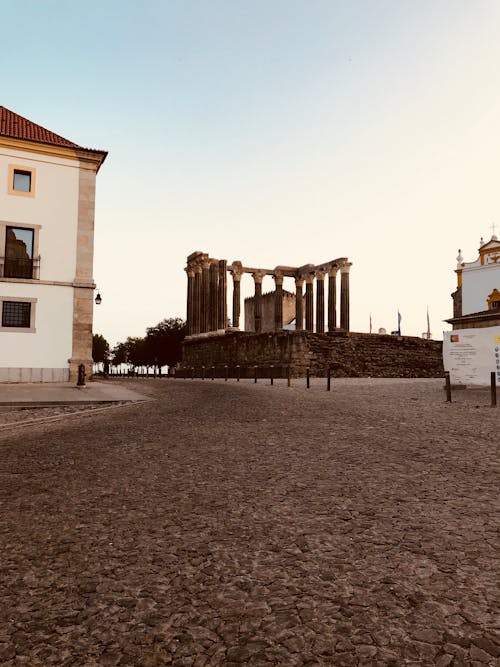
[206,263]
[197,268]
[257,276]
[278,277]
[299,282]
[236,270]
[320,275]
[190,271]
[309,278]
[345,268]
[332,271]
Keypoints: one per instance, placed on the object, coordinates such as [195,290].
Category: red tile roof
[16,127]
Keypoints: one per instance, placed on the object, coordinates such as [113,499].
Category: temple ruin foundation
[321,338]
[347,355]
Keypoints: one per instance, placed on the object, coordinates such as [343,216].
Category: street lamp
[98,299]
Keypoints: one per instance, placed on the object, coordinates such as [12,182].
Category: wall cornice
[87,158]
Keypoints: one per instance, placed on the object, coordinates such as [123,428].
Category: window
[16,314]
[18,261]
[21,181]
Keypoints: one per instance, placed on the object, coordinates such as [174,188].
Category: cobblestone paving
[10,416]
[239,524]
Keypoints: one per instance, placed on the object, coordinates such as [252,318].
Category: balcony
[15,267]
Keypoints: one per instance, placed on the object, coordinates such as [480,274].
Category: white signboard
[470,355]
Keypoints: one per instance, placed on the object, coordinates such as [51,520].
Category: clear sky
[272,132]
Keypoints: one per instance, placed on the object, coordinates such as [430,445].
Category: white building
[476,302]
[47,194]
[471,352]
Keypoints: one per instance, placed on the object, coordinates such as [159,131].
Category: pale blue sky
[273,133]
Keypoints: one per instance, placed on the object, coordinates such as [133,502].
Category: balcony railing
[15,267]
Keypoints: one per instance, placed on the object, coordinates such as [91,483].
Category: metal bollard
[238,373]
[493,389]
[328,382]
[271,374]
[203,372]
[226,371]
[288,376]
[192,372]
[308,378]
[213,372]
[81,376]
[255,374]
[448,386]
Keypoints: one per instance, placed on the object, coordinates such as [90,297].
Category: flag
[428,325]
[399,323]
[370,322]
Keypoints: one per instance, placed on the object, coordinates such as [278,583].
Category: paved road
[233,524]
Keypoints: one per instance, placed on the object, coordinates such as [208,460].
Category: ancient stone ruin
[309,341]
[207,295]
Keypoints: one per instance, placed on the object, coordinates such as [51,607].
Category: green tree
[132,351]
[138,352]
[119,354]
[164,342]
[100,348]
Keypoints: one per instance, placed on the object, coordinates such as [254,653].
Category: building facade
[476,301]
[47,195]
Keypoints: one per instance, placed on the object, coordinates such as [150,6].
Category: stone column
[190,300]
[344,296]
[278,301]
[299,304]
[205,295]
[309,302]
[197,299]
[332,298]
[236,273]
[222,298]
[214,295]
[320,302]
[257,301]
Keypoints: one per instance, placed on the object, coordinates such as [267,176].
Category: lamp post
[98,299]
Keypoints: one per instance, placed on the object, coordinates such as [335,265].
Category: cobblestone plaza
[227,523]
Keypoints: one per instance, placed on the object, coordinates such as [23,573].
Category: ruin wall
[268,311]
[348,355]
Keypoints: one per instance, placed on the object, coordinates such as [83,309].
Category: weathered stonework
[207,306]
[347,355]
[83,295]
[268,311]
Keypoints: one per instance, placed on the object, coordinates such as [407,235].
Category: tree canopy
[164,341]
[100,348]
[161,346]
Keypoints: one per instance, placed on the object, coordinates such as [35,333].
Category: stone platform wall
[348,355]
